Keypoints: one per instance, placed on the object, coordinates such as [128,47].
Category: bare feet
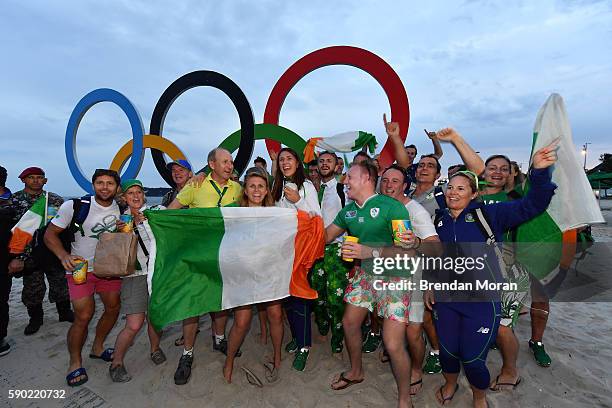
[481,403]
[227,372]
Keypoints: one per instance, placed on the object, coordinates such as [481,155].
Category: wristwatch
[376,252]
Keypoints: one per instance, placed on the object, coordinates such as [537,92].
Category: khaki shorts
[134,295]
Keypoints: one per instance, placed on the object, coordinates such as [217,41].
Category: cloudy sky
[484,67]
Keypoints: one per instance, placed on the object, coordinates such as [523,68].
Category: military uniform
[34,287]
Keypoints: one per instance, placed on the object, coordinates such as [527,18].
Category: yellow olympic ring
[151,142]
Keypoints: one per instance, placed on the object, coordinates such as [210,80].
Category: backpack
[43,257]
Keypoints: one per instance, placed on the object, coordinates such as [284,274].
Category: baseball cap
[131,183]
[183,163]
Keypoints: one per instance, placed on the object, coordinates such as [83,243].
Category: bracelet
[419,244]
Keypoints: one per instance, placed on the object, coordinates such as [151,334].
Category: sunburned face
[255,189]
[496,173]
[287,163]
[427,170]
[459,193]
[134,197]
[392,184]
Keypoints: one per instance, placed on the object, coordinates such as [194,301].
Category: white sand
[577,339]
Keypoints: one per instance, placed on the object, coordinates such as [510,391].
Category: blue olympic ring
[89,100]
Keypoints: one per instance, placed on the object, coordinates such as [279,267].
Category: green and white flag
[573,205]
[344,143]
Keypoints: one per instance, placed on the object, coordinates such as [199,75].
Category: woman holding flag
[294,190]
[467,320]
[256,194]
[134,289]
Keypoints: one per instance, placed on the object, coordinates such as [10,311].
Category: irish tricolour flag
[24,230]
[344,143]
[541,239]
[210,259]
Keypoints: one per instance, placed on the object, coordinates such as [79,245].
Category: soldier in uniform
[34,287]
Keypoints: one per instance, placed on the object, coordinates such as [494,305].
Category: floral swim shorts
[369,291]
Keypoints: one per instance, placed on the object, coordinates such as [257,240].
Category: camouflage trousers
[34,287]
[329,278]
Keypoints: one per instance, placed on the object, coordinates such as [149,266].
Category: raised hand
[273,155]
[546,156]
[392,128]
[446,135]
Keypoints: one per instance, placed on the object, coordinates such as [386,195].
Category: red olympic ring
[343,55]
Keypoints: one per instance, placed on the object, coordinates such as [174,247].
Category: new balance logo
[483,330]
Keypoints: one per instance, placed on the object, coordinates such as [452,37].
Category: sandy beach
[576,339]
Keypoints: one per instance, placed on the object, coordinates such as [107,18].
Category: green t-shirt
[371,223]
[500,197]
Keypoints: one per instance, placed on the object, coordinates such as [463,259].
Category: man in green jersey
[368,217]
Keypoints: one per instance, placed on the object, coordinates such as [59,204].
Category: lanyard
[221,193]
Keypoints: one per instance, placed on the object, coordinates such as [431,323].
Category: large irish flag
[541,240]
[24,230]
[344,143]
[210,259]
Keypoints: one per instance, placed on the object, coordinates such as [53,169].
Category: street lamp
[584,153]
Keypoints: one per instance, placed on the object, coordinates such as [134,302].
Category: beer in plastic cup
[348,238]
[399,227]
[129,222]
[79,274]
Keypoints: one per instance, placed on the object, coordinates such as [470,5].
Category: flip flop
[252,378]
[498,384]
[347,382]
[107,355]
[271,374]
[79,372]
[417,383]
[449,398]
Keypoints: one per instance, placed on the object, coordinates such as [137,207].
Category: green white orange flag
[24,230]
[344,143]
[573,205]
[210,259]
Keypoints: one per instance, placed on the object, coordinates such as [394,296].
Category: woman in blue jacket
[467,319]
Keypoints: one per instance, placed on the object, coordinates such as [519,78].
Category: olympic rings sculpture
[244,138]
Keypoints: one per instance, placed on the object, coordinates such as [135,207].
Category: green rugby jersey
[371,223]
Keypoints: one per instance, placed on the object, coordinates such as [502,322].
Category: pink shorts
[92,285]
